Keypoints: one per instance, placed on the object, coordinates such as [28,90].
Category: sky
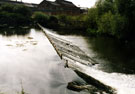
[81,3]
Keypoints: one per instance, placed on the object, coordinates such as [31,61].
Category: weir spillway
[77,60]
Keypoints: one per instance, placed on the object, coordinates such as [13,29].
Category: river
[116,60]
[29,62]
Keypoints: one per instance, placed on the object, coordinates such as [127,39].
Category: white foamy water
[30,62]
[123,83]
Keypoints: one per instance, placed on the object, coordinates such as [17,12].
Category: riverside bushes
[108,17]
[58,21]
[14,15]
[113,18]
[41,18]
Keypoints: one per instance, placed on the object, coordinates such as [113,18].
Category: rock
[30,37]
[76,86]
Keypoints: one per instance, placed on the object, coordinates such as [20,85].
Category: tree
[7,7]
[23,10]
[41,18]
[91,19]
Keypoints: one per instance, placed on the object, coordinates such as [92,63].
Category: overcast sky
[82,3]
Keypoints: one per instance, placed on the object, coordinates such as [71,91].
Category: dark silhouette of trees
[14,15]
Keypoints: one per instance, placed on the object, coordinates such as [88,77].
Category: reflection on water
[116,66]
[115,55]
[112,55]
[14,31]
[109,54]
[31,60]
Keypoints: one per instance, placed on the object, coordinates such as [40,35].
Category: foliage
[7,7]
[41,18]
[65,20]
[72,22]
[104,23]
[91,19]
[91,32]
[118,26]
[53,22]
[14,15]
[23,10]
[112,17]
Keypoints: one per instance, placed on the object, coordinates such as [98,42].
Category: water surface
[116,60]
[29,62]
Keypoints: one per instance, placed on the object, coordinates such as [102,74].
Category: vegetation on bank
[58,21]
[114,18]
[14,15]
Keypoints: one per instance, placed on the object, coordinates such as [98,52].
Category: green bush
[91,18]
[63,20]
[118,26]
[53,22]
[7,8]
[91,32]
[14,15]
[53,19]
[40,18]
[112,24]
[104,24]
[22,10]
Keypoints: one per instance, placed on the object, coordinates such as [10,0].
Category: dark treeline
[112,17]
[59,21]
[115,18]
[14,15]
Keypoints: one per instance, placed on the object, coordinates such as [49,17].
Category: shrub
[53,19]
[14,15]
[40,18]
[7,8]
[91,32]
[53,22]
[118,26]
[112,24]
[23,10]
[104,24]
[91,18]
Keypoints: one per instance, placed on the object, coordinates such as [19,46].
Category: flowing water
[29,62]
[116,60]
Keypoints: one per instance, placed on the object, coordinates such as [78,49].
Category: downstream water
[111,54]
[29,63]
[116,60]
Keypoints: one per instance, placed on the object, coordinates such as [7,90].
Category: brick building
[59,7]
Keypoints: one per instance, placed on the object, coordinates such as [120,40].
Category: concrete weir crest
[76,59]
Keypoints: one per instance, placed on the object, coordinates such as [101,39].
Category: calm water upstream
[29,62]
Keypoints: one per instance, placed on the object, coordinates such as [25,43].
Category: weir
[77,60]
